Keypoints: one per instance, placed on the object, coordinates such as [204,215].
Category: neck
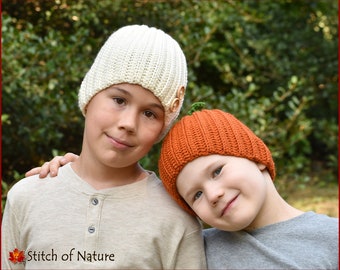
[101,176]
[274,210]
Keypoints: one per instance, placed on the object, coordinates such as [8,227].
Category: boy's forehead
[201,160]
[137,91]
[197,165]
[203,164]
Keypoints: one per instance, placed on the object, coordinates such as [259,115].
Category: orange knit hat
[205,133]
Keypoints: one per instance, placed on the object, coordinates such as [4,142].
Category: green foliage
[271,63]
[39,95]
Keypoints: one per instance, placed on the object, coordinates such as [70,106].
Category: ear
[261,166]
[85,109]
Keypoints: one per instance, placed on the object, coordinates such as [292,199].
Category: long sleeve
[191,253]
[10,235]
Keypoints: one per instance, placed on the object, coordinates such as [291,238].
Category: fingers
[46,169]
[33,171]
[43,171]
[69,157]
[52,166]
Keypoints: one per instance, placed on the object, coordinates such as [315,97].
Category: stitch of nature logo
[17,256]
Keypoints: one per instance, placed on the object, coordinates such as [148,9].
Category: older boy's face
[122,124]
[226,192]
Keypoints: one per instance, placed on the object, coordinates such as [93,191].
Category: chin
[231,226]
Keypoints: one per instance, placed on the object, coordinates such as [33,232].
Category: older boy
[104,211]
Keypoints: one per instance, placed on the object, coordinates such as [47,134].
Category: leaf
[197,106]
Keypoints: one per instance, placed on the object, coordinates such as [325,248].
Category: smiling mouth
[226,208]
[121,144]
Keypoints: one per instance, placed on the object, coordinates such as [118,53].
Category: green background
[271,63]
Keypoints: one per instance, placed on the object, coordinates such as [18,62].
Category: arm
[10,240]
[190,254]
[52,166]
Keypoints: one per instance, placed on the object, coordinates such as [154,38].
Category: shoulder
[166,208]
[324,218]
[157,193]
[31,186]
[27,185]
[322,225]
[320,221]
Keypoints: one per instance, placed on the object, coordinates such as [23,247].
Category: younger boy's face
[226,192]
[122,124]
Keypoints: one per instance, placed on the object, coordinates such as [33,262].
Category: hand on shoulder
[52,167]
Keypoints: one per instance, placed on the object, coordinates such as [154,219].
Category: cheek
[147,138]
[99,115]
[94,123]
[255,191]
[207,217]
[149,134]
[203,210]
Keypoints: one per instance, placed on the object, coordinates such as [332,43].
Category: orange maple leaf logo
[16,256]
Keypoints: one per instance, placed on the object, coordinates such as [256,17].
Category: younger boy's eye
[197,195]
[217,171]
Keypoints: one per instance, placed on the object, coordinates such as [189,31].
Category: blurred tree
[271,63]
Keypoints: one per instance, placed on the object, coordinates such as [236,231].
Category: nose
[128,120]
[214,193]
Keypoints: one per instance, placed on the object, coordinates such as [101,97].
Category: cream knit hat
[138,54]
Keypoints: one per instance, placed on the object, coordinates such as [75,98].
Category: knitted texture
[205,133]
[138,54]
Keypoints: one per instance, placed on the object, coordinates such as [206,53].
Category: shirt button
[94,201]
[91,229]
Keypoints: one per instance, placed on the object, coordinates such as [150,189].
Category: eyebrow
[154,105]
[121,90]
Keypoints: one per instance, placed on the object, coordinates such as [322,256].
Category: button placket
[93,217]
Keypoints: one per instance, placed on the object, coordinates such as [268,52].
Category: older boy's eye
[197,195]
[149,114]
[217,171]
[119,101]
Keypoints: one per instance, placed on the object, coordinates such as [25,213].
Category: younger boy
[104,211]
[215,167]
